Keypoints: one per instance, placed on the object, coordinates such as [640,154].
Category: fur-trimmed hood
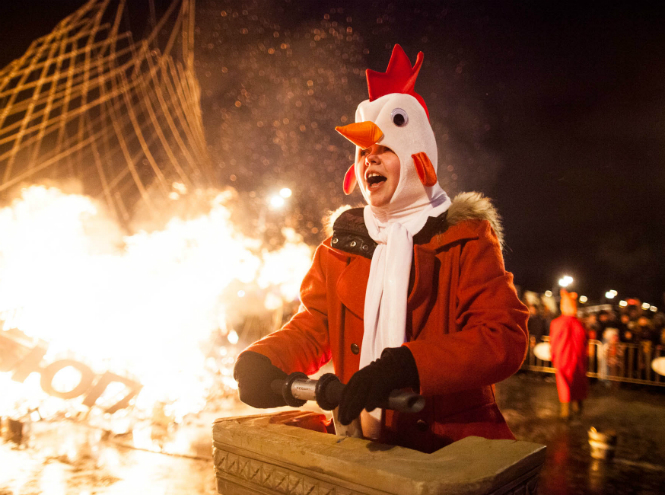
[465,206]
[475,206]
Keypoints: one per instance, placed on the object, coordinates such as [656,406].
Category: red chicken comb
[399,77]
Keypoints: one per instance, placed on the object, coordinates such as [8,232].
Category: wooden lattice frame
[88,102]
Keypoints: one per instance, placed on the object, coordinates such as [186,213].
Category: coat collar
[351,284]
[352,246]
[350,234]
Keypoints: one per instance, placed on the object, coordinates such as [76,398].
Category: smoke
[277,78]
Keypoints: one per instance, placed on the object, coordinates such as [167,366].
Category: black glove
[254,373]
[369,387]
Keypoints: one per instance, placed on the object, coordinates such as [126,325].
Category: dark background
[555,110]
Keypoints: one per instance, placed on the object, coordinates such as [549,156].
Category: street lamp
[565,281]
[285,192]
[277,202]
[611,294]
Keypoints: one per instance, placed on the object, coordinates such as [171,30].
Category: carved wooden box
[266,454]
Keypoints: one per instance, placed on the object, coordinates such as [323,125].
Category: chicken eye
[399,117]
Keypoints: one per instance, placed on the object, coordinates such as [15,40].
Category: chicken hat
[394,116]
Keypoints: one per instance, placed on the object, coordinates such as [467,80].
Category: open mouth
[375,180]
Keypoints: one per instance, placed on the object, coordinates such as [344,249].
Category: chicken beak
[363,134]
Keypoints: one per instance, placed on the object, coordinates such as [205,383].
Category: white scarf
[388,284]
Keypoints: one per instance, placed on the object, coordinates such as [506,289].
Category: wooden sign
[21,357]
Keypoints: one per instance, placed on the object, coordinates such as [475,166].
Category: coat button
[355,349]
[335,240]
[422,425]
[365,247]
[353,243]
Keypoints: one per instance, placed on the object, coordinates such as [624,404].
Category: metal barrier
[619,362]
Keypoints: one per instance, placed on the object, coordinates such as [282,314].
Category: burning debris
[127,276]
[95,321]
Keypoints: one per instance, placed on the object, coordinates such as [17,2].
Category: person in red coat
[409,292]
[568,340]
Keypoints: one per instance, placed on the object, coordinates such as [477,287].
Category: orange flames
[139,304]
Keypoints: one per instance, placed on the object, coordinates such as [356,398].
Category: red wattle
[425,169]
[350,180]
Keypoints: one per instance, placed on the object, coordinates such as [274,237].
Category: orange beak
[363,134]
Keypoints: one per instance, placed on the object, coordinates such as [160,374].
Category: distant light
[277,201]
[646,306]
[610,294]
[565,281]
[583,299]
[653,308]
[273,302]
[548,293]
[180,187]
[623,304]
[241,293]
[233,337]
[285,192]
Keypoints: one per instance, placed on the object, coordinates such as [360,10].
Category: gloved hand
[254,373]
[370,387]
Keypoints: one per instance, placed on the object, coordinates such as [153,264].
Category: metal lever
[297,388]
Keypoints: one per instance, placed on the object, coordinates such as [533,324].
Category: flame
[142,303]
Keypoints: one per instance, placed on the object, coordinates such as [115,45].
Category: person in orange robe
[568,340]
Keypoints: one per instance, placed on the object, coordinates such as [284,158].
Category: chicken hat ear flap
[425,169]
[350,180]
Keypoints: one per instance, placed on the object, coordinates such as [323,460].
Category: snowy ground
[68,458]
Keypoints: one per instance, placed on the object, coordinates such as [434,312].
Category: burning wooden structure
[88,102]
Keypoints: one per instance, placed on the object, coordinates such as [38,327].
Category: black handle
[406,402]
[328,393]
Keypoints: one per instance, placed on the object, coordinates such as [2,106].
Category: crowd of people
[628,324]
[625,339]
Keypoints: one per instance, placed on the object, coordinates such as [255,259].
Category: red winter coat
[568,341]
[465,326]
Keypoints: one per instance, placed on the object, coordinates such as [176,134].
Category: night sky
[554,110]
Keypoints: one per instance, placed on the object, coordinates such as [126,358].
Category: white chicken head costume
[396,116]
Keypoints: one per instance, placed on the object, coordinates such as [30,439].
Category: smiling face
[379,172]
